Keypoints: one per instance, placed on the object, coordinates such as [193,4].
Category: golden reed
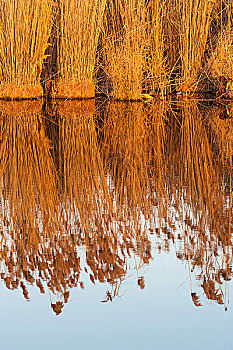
[151,47]
[24,32]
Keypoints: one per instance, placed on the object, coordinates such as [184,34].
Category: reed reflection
[166,173]
[90,192]
[204,203]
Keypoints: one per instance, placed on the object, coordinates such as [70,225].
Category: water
[116,227]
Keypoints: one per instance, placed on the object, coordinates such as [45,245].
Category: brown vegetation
[148,175]
[79,28]
[24,32]
[135,46]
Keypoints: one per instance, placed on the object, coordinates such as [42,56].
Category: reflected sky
[115,224]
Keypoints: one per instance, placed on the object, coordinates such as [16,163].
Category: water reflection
[98,189]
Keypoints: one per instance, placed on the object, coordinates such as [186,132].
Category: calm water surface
[116,229]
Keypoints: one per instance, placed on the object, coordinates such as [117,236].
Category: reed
[80,25]
[24,32]
[220,62]
[171,35]
[194,21]
[156,76]
[124,47]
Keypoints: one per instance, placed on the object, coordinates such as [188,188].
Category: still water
[116,229]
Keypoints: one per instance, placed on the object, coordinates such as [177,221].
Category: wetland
[116,224]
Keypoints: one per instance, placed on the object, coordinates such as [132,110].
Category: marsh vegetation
[121,48]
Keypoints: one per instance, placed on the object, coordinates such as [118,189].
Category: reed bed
[80,25]
[133,48]
[156,76]
[193,30]
[220,62]
[124,47]
[162,46]
[24,32]
[137,47]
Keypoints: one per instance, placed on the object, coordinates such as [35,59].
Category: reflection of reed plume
[52,212]
[94,201]
[163,171]
[34,245]
[29,209]
[88,194]
[204,215]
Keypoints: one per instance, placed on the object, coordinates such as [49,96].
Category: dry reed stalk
[74,89]
[22,91]
[124,45]
[80,26]
[220,63]
[24,32]
[194,20]
[20,108]
[171,30]
[155,60]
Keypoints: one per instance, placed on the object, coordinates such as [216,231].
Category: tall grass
[194,21]
[219,64]
[80,25]
[124,47]
[24,31]
[156,75]
[222,58]
[140,46]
